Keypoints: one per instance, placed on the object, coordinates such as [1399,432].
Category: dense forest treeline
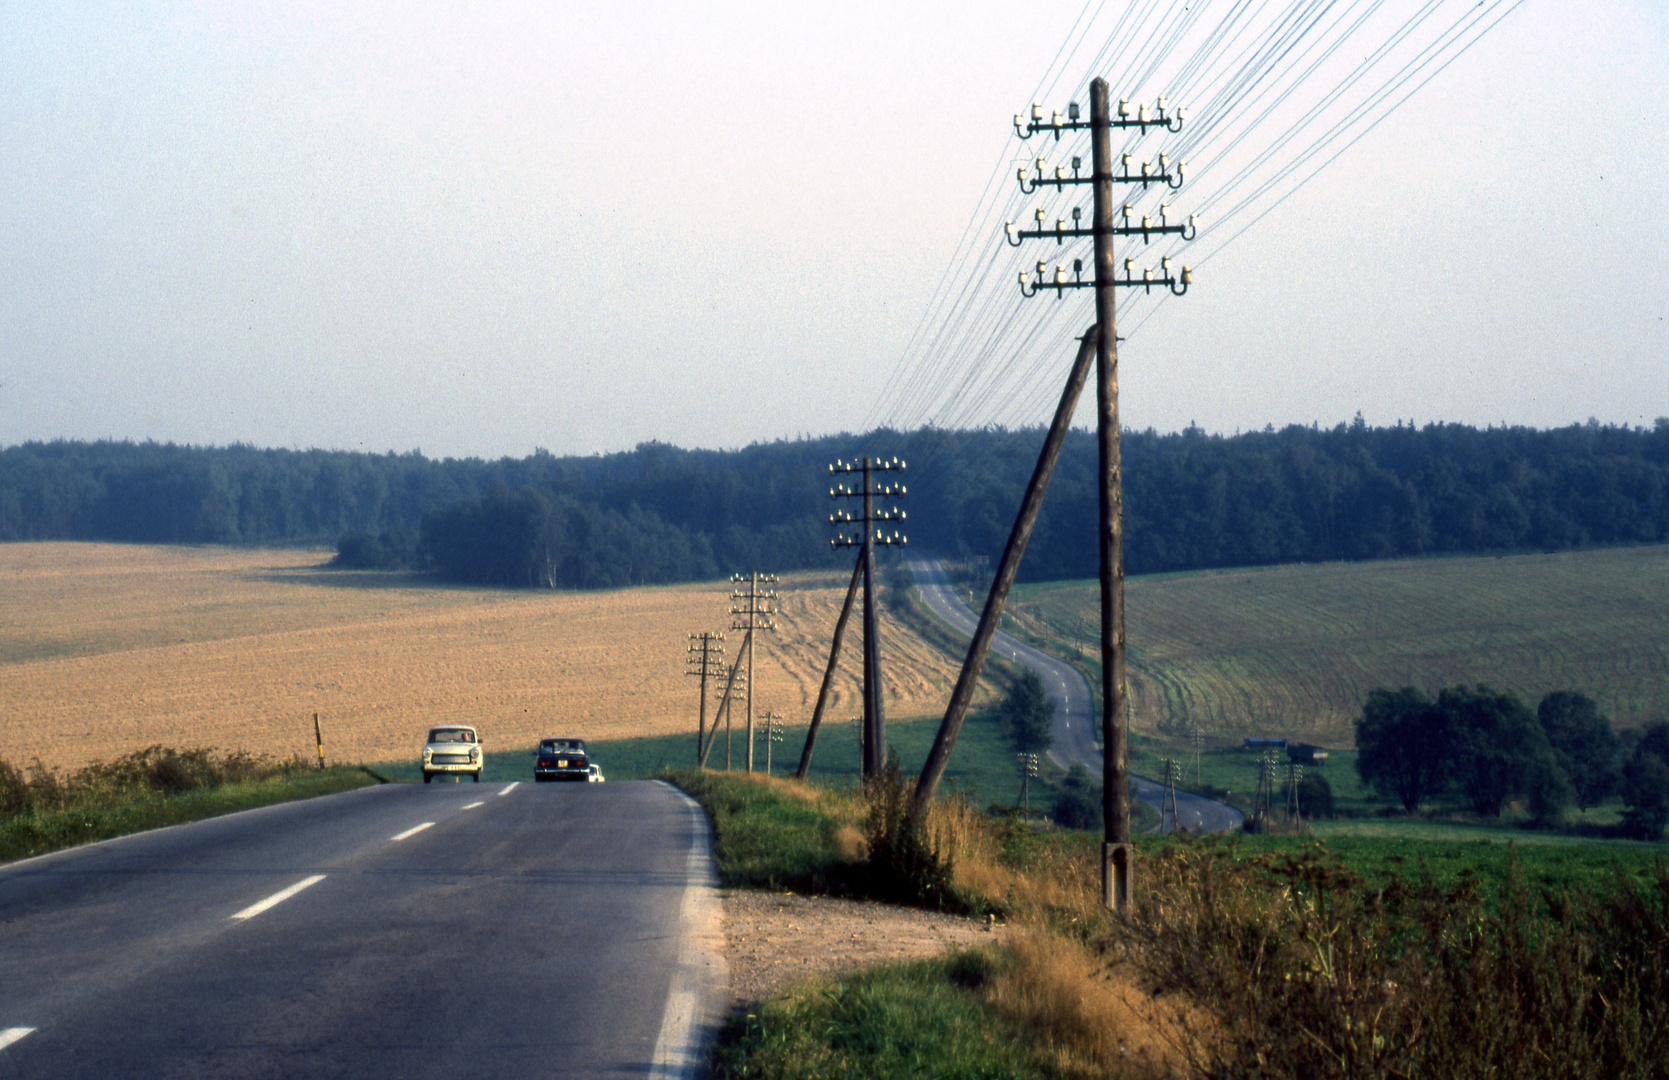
[658,513]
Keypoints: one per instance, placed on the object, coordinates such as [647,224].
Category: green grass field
[1293,650]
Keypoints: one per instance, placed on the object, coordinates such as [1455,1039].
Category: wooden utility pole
[1115,848]
[875,727]
[938,758]
[829,672]
[706,657]
[773,734]
[751,610]
[1115,736]
[724,709]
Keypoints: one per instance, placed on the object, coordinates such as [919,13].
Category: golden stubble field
[105,648]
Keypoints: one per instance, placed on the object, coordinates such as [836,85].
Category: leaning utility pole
[751,610]
[706,658]
[1116,852]
[829,672]
[868,519]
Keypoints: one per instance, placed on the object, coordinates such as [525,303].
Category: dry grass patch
[107,648]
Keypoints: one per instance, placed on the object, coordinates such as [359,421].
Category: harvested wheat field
[105,648]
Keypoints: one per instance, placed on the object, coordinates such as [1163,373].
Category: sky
[480,229]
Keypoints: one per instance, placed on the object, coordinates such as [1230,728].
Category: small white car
[452,748]
[594,774]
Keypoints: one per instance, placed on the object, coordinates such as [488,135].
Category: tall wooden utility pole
[1115,848]
[706,658]
[751,610]
[1115,736]
[875,728]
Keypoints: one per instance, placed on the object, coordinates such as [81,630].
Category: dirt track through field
[105,648]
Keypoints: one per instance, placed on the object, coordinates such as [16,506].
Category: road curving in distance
[1075,720]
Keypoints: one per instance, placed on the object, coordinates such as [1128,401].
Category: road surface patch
[275,899]
[473,805]
[411,832]
[512,787]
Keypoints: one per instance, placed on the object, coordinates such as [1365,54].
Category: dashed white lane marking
[411,832]
[276,898]
[512,787]
[473,805]
[11,1035]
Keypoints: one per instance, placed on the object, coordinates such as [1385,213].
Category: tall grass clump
[155,770]
[1304,971]
[42,809]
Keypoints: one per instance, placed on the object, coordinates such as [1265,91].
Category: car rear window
[562,746]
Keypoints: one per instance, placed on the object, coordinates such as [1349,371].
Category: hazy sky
[477,229]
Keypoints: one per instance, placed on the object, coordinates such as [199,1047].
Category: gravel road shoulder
[774,940]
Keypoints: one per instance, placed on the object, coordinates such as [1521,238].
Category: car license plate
[562,763]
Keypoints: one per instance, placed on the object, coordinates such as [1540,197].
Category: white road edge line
[11,1035]
[699,980]
[278,897]
[473,805]
[411,832]
[512,787]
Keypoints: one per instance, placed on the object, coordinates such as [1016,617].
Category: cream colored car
[454,749]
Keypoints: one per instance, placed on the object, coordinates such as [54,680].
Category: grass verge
[37,832]
[1462,957]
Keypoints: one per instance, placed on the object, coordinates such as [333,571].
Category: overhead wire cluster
[1276,90]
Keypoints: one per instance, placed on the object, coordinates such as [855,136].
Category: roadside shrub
[1079,803]
[906,865]
[14,790]
[1646,792]
[1027,714]
[1315,796]
[155,770]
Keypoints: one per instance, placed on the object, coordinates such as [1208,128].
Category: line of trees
[1191,499]
[1480,749]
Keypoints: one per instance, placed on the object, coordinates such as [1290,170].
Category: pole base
[1115,877]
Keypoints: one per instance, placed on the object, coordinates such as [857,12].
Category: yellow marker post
[319,741]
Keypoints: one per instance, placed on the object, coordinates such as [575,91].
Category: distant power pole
[1263,803]
[773,734]
[751,609]
[1295,810]
[1116,852]
[1167,804]
[1028,773]
[1197,737]
[706,658]
[869,520]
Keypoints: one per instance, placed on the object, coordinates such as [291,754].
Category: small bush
[1079,803]
[906,864]
[1315,796]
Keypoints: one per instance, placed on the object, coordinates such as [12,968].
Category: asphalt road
[447,930]
[1075,719]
